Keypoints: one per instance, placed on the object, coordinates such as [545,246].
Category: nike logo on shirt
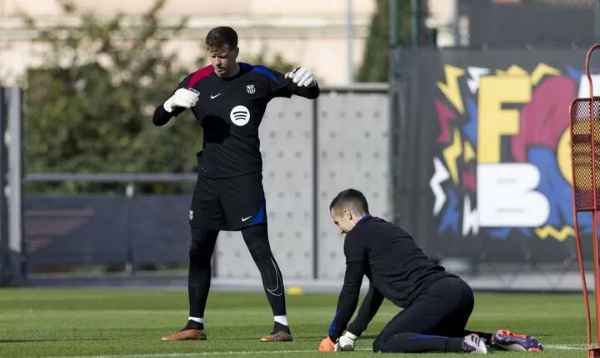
[246,218]
[213,96]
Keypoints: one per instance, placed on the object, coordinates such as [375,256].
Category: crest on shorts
[251,89]
[191,215]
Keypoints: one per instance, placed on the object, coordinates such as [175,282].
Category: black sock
[278,327]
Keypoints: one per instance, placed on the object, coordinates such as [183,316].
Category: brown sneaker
[186,335]
[279,336]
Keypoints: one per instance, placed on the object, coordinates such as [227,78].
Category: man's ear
[348,213]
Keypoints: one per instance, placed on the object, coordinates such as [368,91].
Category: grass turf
[129,323]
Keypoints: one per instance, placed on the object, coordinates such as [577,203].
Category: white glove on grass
[181,98]
[346,342]
[302,77]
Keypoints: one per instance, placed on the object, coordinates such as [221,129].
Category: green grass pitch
[129,323]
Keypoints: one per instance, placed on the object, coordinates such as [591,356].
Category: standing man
[437,304]
[229,99]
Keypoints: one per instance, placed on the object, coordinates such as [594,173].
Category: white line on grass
[561,347]
[566,347]
[198,354]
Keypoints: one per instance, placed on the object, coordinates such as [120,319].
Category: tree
[89,107]
[375,66]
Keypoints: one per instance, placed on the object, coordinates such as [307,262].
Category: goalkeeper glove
[181,98]
[302,77]
[346,342]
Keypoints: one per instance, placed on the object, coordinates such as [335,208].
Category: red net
[581,151]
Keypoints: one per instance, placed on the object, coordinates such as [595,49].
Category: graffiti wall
[497,127]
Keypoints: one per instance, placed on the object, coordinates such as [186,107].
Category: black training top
[396,267]
[230,111]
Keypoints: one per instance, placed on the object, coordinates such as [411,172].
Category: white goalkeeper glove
[346,342]
[302,77]
[181,98]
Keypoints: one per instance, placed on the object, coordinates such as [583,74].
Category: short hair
[350,198]
[220,37]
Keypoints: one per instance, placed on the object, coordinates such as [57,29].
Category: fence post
[11,176]
[4,254]
[130,264]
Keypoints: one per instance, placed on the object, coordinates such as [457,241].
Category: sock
[281,319]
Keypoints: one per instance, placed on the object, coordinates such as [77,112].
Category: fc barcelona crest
[250,89]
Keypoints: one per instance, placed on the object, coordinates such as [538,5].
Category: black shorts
[228,203]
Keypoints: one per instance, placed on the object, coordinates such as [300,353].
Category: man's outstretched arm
[348,299]
[306,92]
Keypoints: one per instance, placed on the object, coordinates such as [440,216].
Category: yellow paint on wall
[542,70]
[451,88]
[494,120]
[547,231]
